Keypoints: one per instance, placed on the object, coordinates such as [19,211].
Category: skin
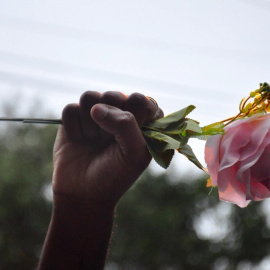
[99,153]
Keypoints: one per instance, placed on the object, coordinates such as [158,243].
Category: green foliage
[187,151]
[172,119]
[170,133]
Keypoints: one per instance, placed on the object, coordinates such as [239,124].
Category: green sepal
[210,130]
[187,151]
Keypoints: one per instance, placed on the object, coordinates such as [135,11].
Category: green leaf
[161,142]
[161,158]
[183,132]
[183,140]
[187,151]
[176,128]
[172,118]
[170,133]
[193,126]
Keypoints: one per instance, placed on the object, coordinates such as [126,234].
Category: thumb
[124,127]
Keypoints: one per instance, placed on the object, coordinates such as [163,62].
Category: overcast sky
[208,53]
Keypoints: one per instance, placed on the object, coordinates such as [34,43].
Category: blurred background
[208,53]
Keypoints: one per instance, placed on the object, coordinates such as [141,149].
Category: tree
[26,170]
[157,228]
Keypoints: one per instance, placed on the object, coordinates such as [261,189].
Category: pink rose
[239,161]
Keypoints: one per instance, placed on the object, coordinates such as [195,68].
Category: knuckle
[137,99]
[69,110]
[110,96]
[85,96]
[88,96]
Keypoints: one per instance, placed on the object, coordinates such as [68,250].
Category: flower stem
[233,118]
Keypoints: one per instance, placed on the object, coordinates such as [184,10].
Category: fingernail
[99,112]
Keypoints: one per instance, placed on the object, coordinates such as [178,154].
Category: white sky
[208,53]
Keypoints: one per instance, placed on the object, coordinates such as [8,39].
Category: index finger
[143,108]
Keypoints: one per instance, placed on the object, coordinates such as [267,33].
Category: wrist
[78,235]
[70,206]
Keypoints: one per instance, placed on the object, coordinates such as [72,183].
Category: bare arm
[99,153]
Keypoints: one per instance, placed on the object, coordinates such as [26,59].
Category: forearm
[78,235]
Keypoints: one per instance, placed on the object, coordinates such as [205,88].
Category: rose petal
[239,160]
[231,194]
[232,141]
[259,191]
[258,136]
[230,189]
[266,183]
[261,170]
[212,157]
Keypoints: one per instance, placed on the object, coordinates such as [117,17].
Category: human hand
[100,151]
